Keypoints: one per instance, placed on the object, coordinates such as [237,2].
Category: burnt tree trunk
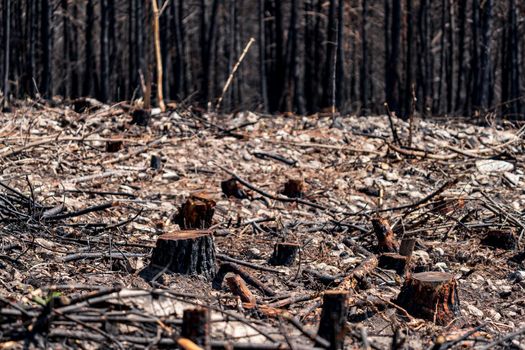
[196,212]
[284,254]
[294,188]
[7,39]
[332,326]
[394,261]
[46,40]
[186,252]
[196,327]
[386,242]
[432,296]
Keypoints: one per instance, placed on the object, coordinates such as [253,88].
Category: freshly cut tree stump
[196,213]
[386,242]
[284,254]
[186,252]
[196,327]
[504,239]
[394,261]
[231,188]
[294,188]
[333,318]
[432,296]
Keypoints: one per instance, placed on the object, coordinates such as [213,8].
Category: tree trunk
[46,88]
[104,51]
[392,73]
[7,41]
[87,88]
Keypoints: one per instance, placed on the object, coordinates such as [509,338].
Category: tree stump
[231,188]
[141,117]
[196,327]
[394,261]
[333,318]
[284,254]
[407,246]
[294,188]
[114,146]
[196,213]
[432,296]
[155,162]
[386,242]
[504,239]
[186,252]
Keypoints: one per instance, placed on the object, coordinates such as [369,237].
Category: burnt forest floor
[56,258]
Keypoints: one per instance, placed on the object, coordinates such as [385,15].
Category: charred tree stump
[113,146]
[294,188]
[284,254]
[196,327]
[333,318]
[394,261]
[432,296]
[155,162]
[504,239]
[386,242]
[186,252]
[141,117]
[196,213]
[407,246]
[239,288]
[231,188]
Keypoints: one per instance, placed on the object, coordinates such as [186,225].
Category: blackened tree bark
[7,40]
[66,87]
[462,11]
[73,55]
[436,108]
[31,28]
[392,70]
[363,73]
[177,29]
[207,36]
[46,88]
[104,50]
[87,88]
[510,69]
[329,65]
[484,85]
[340,61]
[451,62]
[262,58]
[473,72]
[409,69]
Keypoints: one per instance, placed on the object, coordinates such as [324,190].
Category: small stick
[230,78]
[392,126]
